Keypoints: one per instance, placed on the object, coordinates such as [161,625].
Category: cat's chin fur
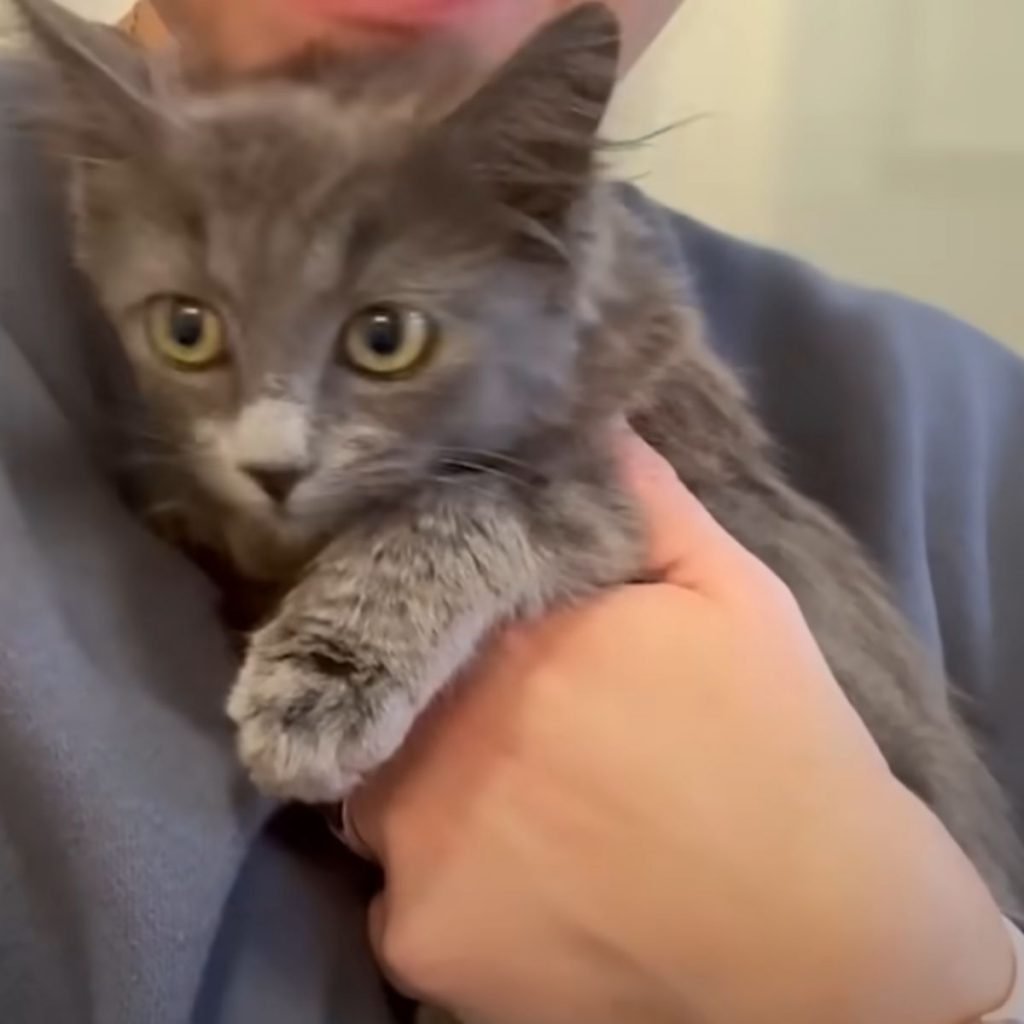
[270,548]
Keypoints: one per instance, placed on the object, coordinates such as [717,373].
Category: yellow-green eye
[185,333]
[388,341]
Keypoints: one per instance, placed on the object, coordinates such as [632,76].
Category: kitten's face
[311,323]
[326,292]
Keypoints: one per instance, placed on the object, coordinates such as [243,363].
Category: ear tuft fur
[532,129]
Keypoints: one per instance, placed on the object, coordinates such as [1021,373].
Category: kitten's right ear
[105,104]
[532,130]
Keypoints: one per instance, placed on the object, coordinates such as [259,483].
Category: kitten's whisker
[489,455]
[143,459]
[131,431]
[482,469]
[392,472]
[164,508]
[463,483]
[479,467]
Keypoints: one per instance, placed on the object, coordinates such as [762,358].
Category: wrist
[937,947]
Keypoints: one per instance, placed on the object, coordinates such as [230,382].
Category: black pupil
[187,323]
[382,332]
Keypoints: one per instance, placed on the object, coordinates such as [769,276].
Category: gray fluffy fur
[433,508]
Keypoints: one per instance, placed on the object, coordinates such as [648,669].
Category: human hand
[660,807]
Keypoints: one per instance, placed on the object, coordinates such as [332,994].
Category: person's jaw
[250,32]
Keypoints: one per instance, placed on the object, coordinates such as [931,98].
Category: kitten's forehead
[285,178]
[286,140]
[303,125]
[273,172]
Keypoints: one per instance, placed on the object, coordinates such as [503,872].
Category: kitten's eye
[185,333]
[387,341]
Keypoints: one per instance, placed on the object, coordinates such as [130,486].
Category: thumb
[685,545]
[386,947]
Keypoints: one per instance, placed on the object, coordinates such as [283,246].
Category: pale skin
[658,808]
[247,32]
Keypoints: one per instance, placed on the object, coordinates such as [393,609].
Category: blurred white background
[108,10]
[883,139]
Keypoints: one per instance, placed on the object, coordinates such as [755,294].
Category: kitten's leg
[392,612]
[387,615]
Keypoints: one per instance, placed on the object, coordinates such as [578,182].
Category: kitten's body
[437,507]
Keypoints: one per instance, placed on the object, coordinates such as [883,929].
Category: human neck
[145,25]
[234,39]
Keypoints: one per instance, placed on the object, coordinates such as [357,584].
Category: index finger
[686,546]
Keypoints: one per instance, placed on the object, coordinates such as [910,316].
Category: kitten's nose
[276,482]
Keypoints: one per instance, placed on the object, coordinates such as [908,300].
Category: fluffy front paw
[314,719]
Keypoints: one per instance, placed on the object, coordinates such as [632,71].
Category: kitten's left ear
[532,130]
[106,98]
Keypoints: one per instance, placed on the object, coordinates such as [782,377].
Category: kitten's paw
[313,723]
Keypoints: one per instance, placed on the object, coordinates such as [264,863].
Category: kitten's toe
[311,729]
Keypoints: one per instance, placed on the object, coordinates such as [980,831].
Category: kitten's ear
[532,130]
[105,103]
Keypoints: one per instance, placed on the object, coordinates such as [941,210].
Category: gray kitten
[383,321]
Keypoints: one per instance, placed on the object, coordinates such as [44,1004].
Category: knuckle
[771,593]
[397,955]
[404,955]
[657,603]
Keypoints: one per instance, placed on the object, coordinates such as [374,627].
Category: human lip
[396,13]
